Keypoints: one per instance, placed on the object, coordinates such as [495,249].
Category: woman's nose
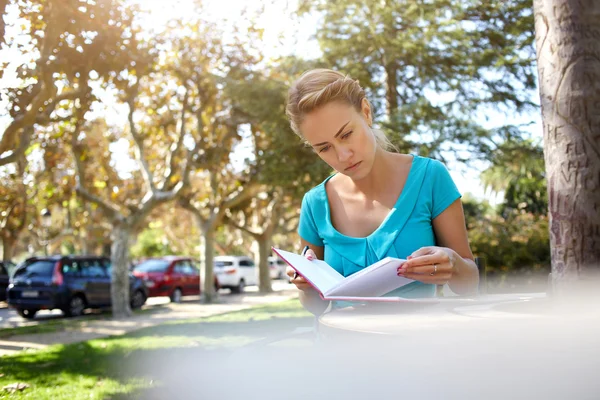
[344,153]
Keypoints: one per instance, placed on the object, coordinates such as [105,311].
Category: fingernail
[409,257]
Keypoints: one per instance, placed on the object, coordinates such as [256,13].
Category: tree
[158,180]
[68,40]
[17,210]
[431,65]
[568,54]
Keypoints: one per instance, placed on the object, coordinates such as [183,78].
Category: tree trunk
[568,55]
[208,294]
[120,271]
[391,88]
[8,248]
[264,277]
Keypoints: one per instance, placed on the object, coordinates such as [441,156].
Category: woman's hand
[299,281]
[436,265]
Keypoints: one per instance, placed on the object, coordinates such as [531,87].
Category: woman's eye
[323,149]
[345,135]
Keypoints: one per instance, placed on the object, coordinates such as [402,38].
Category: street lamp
[46,223]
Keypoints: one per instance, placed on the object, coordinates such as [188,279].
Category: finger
[424,269]
[310,255]
[422,251]
[289,271]
[437,279]
[426,260]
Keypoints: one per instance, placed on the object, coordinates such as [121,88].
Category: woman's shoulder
[317,191]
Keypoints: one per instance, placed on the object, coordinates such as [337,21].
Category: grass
[127,366]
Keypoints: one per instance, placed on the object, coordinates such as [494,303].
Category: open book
[368,284]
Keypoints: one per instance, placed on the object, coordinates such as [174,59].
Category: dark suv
[69,283]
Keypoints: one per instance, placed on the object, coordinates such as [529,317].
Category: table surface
[398,318]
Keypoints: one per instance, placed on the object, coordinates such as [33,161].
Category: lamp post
[46,223]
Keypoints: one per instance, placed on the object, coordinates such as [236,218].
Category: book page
[375,280]
[318,273]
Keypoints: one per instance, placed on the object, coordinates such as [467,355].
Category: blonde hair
[318,87]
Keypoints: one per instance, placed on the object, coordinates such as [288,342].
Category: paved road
[10,319]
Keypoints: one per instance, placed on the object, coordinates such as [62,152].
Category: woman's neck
[386,167]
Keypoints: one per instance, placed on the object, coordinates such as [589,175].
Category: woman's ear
[366,110]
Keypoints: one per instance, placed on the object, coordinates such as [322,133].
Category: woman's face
[341,136]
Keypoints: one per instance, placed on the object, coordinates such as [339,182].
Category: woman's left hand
[435,265]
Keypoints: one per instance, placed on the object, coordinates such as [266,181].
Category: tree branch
[111,210]
[171,157]
[139,142]
[22,147]
[231,222]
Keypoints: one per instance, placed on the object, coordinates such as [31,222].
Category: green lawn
[129,366]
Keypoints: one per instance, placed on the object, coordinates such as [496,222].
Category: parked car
[171,276]
[277,267]
[235,272]
[69,283]
[6,268]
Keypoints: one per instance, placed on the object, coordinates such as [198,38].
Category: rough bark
[120,271]
[264,249]
[568,55]
[208,293]
[8,247]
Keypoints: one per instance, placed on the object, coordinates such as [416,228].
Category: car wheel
[27,313]
[76,306]
[176,295]
[240,287]
[138,299]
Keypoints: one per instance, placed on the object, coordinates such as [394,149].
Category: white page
[374,281]
[317,272]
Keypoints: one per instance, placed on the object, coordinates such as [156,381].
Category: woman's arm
[309,297]
[453,260]
[451,232]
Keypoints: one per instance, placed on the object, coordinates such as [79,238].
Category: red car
[173,276]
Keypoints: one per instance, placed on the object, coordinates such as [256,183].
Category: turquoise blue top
[428,191]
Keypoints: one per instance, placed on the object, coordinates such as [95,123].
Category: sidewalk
[158,311]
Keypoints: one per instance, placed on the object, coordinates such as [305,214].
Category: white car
[235,272]
[277,267]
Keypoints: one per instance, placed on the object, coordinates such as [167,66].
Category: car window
[179,267]
[92,269]
[70,268]
[36,268]
[187,268]
[107,266]
[246,263]
[223,263]
[152,266]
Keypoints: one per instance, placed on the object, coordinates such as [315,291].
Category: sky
[282,35]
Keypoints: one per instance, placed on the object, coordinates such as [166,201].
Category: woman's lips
[353,166]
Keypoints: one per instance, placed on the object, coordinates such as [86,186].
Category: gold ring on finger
[434,270]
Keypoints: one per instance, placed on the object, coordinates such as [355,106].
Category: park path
[158,311]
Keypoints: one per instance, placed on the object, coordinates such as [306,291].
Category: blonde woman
[379,203]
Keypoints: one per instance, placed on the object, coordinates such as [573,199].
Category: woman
[379,203]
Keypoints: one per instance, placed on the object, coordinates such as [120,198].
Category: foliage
[431,65]
[518,169]
[151,242]
[519,242]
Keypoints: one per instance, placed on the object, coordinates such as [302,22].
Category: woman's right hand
[299,281]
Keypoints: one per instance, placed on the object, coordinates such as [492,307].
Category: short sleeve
[307,227]
[445,191]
